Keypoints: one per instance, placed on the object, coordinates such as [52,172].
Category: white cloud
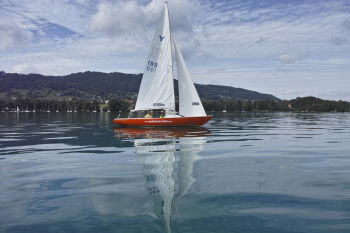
[45,61]
[14,36]
[291,58]
[293,92]
[25,68]
[136,22]
[132,17]
[119,18]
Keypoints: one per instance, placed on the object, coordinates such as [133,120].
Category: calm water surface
[251,173]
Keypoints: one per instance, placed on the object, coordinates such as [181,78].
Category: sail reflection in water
[167,156]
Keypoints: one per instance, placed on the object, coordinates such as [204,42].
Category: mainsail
[157,87]
[189,101]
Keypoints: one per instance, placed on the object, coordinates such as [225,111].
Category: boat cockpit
[148,113]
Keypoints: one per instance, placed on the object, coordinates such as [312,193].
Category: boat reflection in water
[167,156]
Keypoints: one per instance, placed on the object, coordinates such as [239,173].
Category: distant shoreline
[300,104]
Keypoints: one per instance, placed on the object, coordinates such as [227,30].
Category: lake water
[242,172]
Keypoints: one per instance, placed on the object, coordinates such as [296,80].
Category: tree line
[304,104]
[49,105]
[300,104]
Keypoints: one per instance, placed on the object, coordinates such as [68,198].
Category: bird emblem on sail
[161,38]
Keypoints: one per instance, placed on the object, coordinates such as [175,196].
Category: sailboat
[155,105]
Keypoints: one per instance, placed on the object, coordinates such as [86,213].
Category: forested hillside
[97,85]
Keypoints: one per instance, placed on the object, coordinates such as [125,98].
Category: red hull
[176,121]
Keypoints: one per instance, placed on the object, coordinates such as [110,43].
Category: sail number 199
[151,66]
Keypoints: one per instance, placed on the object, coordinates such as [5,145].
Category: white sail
[157,87]
[189,101]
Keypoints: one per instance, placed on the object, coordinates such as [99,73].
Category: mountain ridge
[93,85]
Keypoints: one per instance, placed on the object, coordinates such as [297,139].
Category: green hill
[313,104]
[96,85]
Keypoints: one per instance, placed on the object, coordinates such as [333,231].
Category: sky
[287,48]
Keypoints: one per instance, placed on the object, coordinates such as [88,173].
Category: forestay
[157,87]
[189,101]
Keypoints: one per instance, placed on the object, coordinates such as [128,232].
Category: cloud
[132,17]
[346,24]
[261,40]
[14,36]
[135,22]
[291,58]
[46,61]
[293,92]
[119,18]
[71,14]
[25,68]
[337,40]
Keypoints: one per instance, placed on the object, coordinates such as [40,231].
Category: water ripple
[241,172]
